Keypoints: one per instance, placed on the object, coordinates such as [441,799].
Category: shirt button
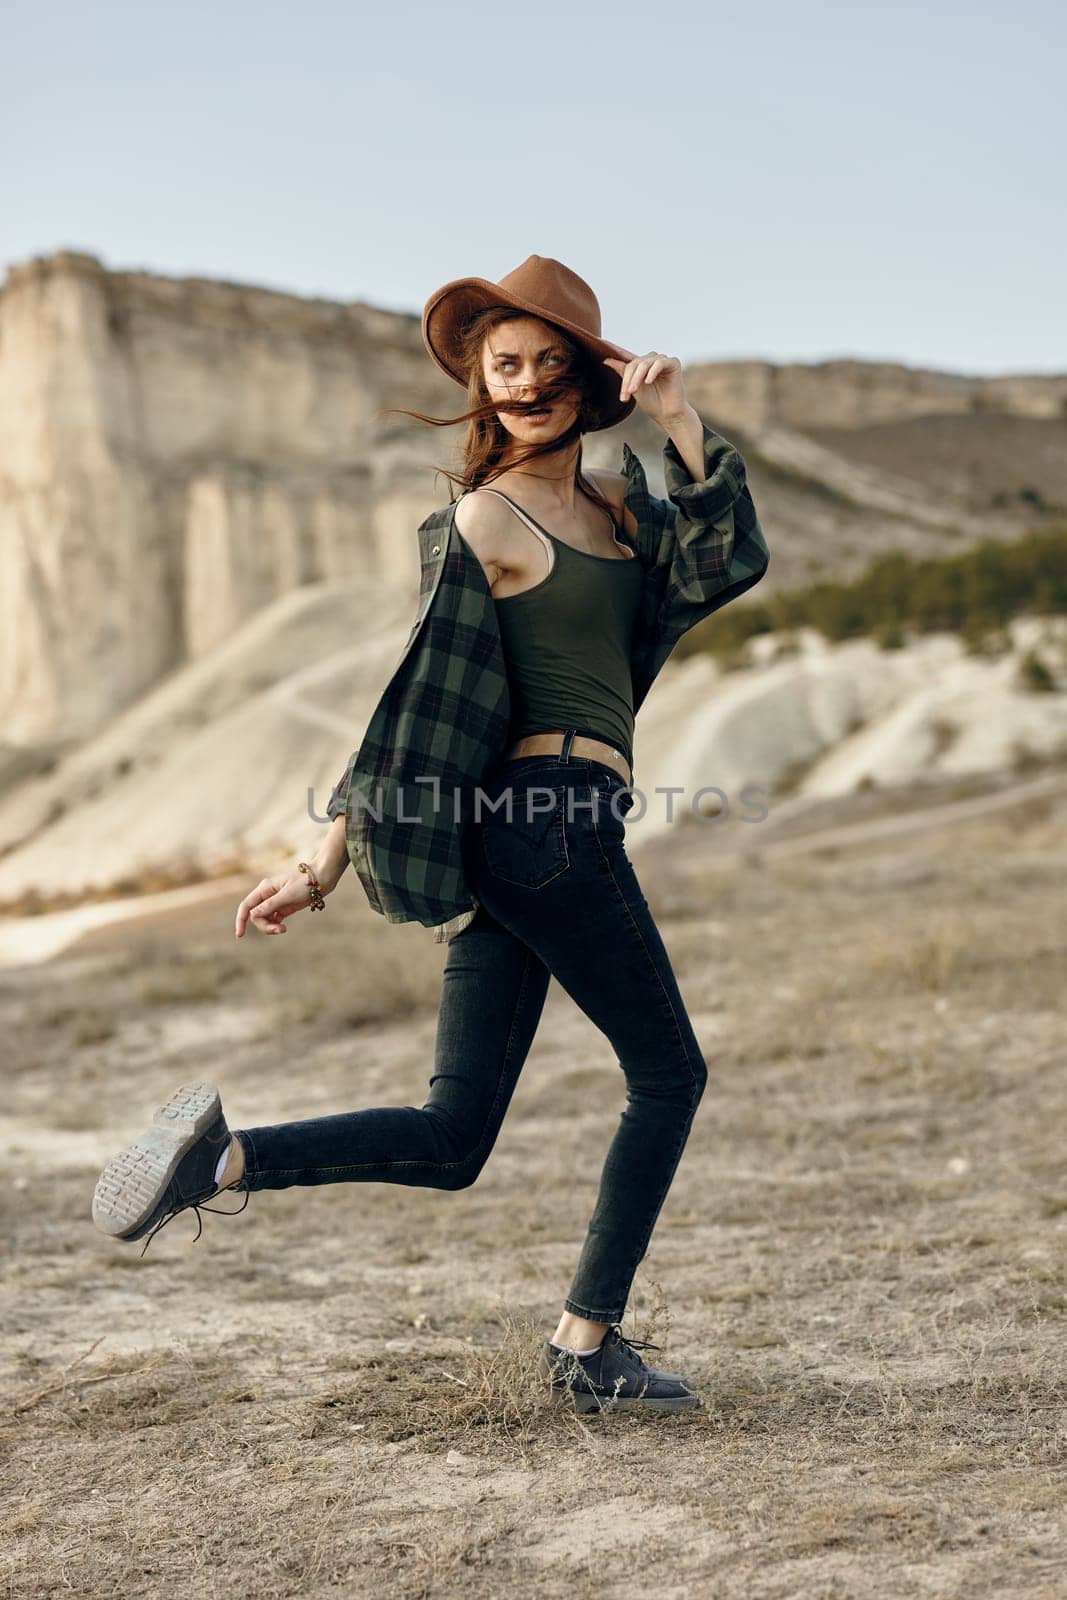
[436,551]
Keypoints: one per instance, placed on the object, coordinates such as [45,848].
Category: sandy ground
[861,1261]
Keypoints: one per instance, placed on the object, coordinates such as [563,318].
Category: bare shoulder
[481,516]
[483,520]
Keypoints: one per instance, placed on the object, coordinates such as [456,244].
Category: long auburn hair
[486,437]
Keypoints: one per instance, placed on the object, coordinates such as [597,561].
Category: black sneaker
[166,1169]
[614,1378]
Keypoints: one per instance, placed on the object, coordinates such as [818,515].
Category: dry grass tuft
[335,1394]
[930,957]
[496,1395]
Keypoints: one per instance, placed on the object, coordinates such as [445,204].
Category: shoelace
[198,1208]
[634,1344]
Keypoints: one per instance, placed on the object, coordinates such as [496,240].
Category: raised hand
[655,381]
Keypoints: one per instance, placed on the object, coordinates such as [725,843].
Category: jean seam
[643,1243]
[247,1144]
[648,956]
[439,1166]
[527,964]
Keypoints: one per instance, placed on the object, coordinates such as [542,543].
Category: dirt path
[31,939]
[861,1261]
[945,814]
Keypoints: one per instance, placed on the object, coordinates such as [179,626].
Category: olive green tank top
[567,642]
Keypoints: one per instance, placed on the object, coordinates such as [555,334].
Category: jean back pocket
[529,848]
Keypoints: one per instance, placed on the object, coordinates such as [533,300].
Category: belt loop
[565,748]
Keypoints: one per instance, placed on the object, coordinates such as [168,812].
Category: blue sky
[786,182]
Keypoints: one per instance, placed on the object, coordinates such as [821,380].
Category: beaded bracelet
[314,889]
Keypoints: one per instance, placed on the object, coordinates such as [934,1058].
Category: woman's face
[520,358]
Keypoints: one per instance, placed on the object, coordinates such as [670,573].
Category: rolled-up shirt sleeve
[338,800]
[718,548]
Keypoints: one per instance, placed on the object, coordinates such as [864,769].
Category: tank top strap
[531,522]
[525,515]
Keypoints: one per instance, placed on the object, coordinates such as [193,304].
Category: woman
[550,599]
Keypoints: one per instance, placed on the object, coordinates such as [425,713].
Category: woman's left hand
[272,900]
[655,381]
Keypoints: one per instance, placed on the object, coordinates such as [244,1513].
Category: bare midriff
[550,744]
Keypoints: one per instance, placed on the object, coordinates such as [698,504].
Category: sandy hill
[208,518]
[178,453]
[217,760]
[212,769]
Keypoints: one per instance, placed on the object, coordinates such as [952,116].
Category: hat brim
[449,308]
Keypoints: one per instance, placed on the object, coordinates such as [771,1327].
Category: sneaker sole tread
[132,1184]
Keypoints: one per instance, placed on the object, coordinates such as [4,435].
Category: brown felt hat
[544,288]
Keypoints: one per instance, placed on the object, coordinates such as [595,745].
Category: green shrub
[889,635]
[1035,674]
[974,593]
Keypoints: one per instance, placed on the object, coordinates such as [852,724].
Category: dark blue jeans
[557,897]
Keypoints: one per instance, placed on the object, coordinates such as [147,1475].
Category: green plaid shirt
[442,721]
